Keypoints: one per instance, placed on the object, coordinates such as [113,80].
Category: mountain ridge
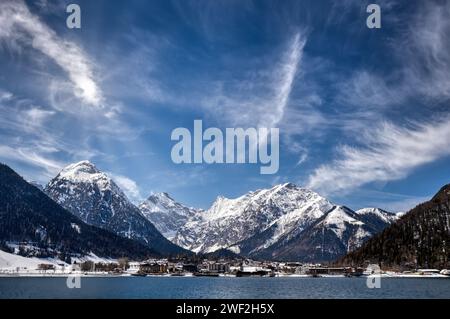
[165,213]
[267,223]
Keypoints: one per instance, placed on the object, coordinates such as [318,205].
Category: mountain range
[95,198]
[82,210]
[285,222]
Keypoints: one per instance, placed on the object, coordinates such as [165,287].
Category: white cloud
[30,156]
[20,26]
[31,135]
[36,116]
[391,153]
[5,95]
[368,91]
[303,116]
[302,159]
[423,72]
[129,186]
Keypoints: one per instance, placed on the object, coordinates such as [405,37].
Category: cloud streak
[29,156]
[391,153]
[21,27]
[260,99]
[284,77]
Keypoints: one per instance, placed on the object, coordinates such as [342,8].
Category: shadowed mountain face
[166,214]
[29,215]
[334,234]
[421,238]
[95,198]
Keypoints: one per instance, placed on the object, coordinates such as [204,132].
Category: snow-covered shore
[12,265]
[15,265]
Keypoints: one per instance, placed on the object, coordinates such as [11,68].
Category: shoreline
[129,275]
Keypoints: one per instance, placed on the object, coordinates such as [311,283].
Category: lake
[221,288]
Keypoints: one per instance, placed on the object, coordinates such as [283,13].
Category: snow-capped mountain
[29,216]
[283,209]
[338,232]
[283,222]
[166,214]
[96,199]
[377,214]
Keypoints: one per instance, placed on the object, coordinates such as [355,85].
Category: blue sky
[363,113]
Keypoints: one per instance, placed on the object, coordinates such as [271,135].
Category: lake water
[194,287]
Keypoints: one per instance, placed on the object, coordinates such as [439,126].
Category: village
[192,267]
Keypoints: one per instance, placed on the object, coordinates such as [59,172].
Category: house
[153,268]
[46,267]
[134,266]
[190,268]
[216,267]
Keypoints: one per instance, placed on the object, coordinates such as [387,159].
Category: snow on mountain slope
[333,235]
[419,239]
[87,192]
[166,214]
[284,207]
[388,217]
[284,222]
[96,199]
[342,219]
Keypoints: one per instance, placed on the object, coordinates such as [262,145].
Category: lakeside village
[95,266]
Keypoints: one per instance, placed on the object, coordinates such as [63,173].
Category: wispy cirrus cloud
[31,156]
[284,78]
[369,91]
[22,28]
[28,137]
[390,153]
[424,67]
[424,49]
[5,95]
[73,111]
[260,99]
